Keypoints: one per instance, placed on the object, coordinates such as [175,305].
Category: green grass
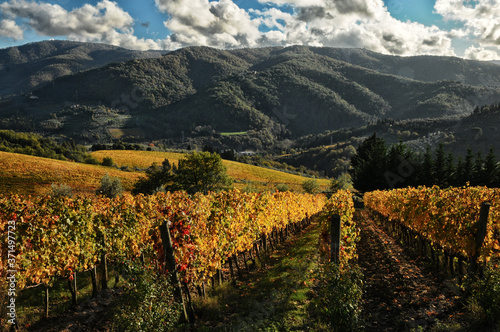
[237,133]
[31,301]
[276,296]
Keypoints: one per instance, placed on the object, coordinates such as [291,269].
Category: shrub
[311,186]
[110,187]
[61,190]
[342,289]
[282,187]
[107,161]
[148,304]
[487,294]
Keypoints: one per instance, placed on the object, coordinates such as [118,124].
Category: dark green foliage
[490,175]
[197,172]
[487,292]
[36,145]
[148,304]
[426,167]
[400,170]
[341,295]
[369,165]
[311,186]
[282,187]
[157,177]
[401,167]
[202,172]
[107,161]
[277,92]
[110,187]
[34,64]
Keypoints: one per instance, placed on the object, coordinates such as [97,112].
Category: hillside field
[23,174]
[260,178]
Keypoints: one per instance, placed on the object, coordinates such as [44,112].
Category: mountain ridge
[29,66]
[272,94]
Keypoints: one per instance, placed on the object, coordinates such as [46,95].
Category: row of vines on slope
[341,204]
[57,236]
[447,217]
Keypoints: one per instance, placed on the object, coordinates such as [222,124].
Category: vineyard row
[447,218]
[57,236]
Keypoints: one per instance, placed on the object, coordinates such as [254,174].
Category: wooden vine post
[334,238]
[73,288]
[104,275]
[482,225]
[46,301]
[168,250]
[93,276]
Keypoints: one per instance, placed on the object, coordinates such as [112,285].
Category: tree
[202,172]
[156,177]
[369,165]
[311,186]
[490,173]
[439,167]
[449,170]
[400,170]
[478,171]
[426,168]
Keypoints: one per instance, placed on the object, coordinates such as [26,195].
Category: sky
[463,28]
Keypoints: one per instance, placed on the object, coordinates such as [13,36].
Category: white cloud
[335,23]
[217,23]
[481,54]
[105,22]
[221,23]
[481,18]
[360,23]
[9,29]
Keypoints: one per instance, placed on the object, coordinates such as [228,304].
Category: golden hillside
[244,174]
[25,174]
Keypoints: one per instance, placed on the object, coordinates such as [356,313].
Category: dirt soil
[402,291]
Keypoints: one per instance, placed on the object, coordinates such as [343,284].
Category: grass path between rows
[274,297]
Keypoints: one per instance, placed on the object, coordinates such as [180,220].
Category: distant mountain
[29,66]
[268,94]
[422,68]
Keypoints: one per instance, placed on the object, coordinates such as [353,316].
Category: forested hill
[29,66]
[275,92]
[423,68]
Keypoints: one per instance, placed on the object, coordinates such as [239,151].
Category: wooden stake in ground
[168,250]
[482,226]
[335,238]
[93,276]
[46,301]
[73,288]
[104,276]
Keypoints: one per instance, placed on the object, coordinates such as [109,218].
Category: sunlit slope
[25,174]
[244,174]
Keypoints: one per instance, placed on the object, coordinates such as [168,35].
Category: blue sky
[469,29]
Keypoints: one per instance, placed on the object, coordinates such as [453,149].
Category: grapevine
[446,217]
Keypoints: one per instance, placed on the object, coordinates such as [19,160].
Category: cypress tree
[369,165]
